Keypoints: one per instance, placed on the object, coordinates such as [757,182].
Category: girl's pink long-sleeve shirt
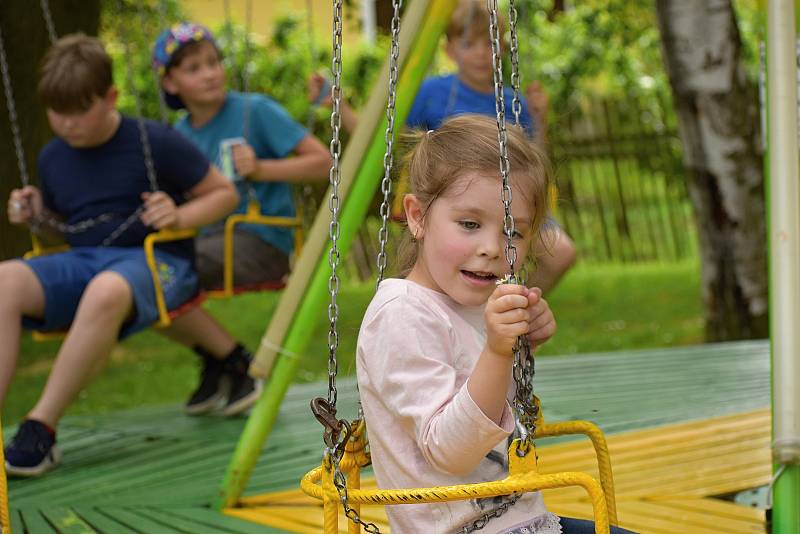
[416,350]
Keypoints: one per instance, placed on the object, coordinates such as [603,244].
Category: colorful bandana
[168,43]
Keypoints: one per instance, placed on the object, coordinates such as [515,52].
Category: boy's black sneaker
[33,450]
[245,390]
[213,388]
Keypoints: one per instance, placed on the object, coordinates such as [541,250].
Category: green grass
[598,308]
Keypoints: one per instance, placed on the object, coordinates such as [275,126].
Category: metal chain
[143,137]
[13,119]
[388,155]
[497,63]
[523,358]
[48,20]
[340,482]
[334,177]
[163,112]
[516,105]
[248,17]
[12,115]
[482,521]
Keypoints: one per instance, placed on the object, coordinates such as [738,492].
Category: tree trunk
[718,120]
[25,38]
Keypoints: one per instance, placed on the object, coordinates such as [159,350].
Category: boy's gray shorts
[254,260]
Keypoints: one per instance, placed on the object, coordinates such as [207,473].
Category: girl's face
[199,79]
[462,242]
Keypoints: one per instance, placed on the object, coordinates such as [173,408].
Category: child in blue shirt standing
[250,136]
[94,179]
[471,90]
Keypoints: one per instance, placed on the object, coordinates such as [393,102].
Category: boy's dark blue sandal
[33,450]
[213,388]
[244,390]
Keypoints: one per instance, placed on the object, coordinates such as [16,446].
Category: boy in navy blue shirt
[93,180]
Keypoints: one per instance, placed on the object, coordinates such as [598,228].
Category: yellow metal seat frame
[162,236]
[253,216]
[523,476]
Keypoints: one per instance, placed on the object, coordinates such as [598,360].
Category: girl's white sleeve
[407,356]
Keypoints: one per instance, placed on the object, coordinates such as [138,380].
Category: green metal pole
[354,211]
[784,245]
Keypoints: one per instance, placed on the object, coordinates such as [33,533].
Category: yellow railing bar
[593,432]
[5,517]
[253,216]
[149,252]
[522,478]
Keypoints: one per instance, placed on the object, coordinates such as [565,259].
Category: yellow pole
[5,518]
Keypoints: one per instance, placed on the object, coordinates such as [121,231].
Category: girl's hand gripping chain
[541,322]
[507,317]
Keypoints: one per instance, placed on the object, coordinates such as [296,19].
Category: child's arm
[212,199]
[312,161]
[538,104]
[316,84]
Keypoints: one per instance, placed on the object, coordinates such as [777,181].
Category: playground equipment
[345,452]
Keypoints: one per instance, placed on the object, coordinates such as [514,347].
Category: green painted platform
[156,470]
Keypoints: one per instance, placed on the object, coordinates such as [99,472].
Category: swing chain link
[340,482]
[516,104]
[482,521]
[334,202]
[48,20]
[500,107]
[13,119]
[388,156]
[12,115]
[523,358]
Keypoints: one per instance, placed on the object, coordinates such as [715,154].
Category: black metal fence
[622,187]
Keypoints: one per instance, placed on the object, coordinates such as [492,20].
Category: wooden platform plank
[178,522]
[132,519]
[34,522]
[101,522]
[16,521]
[66,521]
[651,467]
[155,456]
[222,521]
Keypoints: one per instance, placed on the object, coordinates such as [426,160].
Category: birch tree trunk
[718,120]
[26,40]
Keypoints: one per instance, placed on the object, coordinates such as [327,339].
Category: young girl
[434,355]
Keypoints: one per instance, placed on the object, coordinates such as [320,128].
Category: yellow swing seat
[253,216]
[522,477]
[165,316]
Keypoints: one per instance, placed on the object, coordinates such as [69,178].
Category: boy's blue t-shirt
[441,97]
[83,183]
[273,134]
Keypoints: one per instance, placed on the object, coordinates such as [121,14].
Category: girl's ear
[414,215]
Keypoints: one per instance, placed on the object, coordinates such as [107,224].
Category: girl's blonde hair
[465,144]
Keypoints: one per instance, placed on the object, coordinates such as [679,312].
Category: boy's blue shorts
[64,277]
